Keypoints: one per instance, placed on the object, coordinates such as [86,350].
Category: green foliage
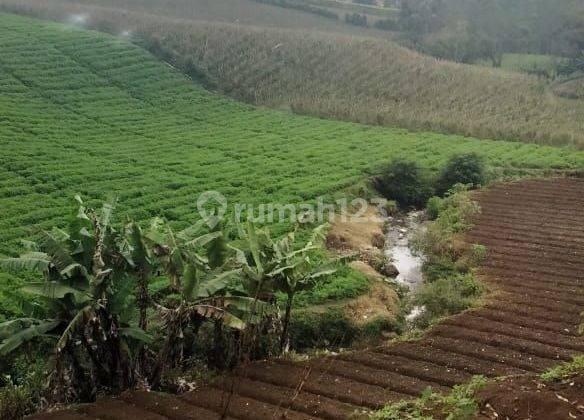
[434,207]
[331,329]
[565,370]
[15,401]
[345,284]
[404,182]
[164,144]
[459,404]
[446,296]
[449,286]
[466,169]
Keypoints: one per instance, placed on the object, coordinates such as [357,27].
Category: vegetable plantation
[90,114]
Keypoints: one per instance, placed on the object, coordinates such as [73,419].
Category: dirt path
[534,231]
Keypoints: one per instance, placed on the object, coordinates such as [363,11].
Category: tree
[404,182]
[296,271]
[467,169]
[204,274]
[87,294]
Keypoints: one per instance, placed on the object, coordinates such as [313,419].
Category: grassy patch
[344,284]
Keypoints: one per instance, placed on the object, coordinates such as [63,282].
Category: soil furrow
[114,409]
[472,237]
[296,399]
[169,406]
[541,285]
[355,371]
[525,321]
[486,220]
[522,268]
[335,387]
[561,342]
[501,273]
[425,371]
[535,312]
[555,257]
[225,402]
[572,299]
[450,359]
[505,342]
[487,352]
[539,302]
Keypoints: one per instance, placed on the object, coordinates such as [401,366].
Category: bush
[15,401]
[331,329]
[404,182]
[434,207]
[467,169]
[446,296]
[356,19]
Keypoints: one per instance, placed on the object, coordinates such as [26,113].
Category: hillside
[240,12]
[83,112]
[348,78]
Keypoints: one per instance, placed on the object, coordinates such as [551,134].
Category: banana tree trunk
[287,316]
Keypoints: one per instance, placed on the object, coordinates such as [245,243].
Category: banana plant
[174,250]
[297,271]
[87,299]
[203,277]
[269,266]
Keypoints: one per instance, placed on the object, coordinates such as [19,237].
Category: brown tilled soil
[534,231]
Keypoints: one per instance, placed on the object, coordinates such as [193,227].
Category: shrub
[15,401]
[446,296]
[467,169]
[356,19]
[404,182]
[434,207]
[330,329]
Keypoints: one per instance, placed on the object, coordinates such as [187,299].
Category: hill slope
[350,78]
[240,12]
[82,112]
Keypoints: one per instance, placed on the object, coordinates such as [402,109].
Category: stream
[401,228]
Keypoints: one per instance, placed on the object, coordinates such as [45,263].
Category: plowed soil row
[534,232]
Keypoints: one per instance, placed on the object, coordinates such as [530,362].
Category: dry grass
[353,78]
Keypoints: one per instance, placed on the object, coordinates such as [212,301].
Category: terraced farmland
[535,236]
[82,112]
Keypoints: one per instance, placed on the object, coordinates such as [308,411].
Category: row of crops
[82,112]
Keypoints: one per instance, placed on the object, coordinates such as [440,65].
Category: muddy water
[400,230]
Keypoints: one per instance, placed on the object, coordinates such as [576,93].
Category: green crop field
[82,112]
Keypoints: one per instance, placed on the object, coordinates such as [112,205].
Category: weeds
[449,286]
[565,370]
[459,404]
